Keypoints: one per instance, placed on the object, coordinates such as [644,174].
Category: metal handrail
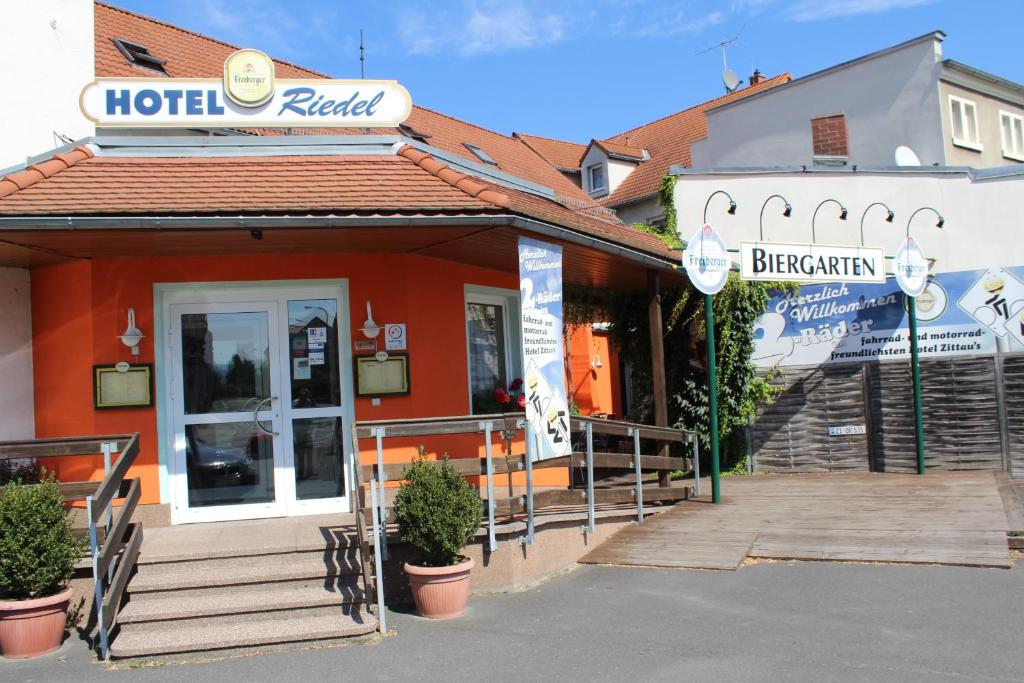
[114,559]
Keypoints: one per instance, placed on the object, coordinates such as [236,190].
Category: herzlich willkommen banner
[540,299]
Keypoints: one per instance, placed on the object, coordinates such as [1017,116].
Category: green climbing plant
[741,389]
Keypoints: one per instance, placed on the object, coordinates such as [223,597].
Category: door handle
[256,417]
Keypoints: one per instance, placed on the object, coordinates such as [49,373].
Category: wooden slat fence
[970,411]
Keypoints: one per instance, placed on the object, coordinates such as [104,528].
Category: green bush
[38,549]
[438,511]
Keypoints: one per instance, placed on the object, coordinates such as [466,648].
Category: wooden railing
[114,538]
[374,545]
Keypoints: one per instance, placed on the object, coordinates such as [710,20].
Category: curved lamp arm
[939,223]
[732,203]
[843,213]
[889,216]
[787,211]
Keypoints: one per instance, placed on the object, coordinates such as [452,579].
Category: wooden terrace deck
[957,518]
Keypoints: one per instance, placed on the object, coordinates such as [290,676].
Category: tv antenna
[729,78]
[362,56]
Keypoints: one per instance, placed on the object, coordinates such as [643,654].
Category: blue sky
[577,69]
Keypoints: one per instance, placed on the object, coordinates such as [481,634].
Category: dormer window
[595,178]
[139,55]
[480,154]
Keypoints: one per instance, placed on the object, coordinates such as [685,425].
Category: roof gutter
[85,223]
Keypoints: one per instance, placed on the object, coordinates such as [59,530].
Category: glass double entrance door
[259,419]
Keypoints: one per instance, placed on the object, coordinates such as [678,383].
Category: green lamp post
[915,362]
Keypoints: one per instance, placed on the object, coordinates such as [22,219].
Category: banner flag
[540,303]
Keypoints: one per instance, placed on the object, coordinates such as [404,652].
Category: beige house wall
[989,127]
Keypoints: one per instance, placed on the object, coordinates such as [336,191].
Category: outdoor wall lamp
[256,234]
[370,329]
[787,211]
[843,213]
[889,216]
[595,362]
[732,203]
[132,334]
[939,223]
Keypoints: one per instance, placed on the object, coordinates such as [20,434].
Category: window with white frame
[487,333]
[1012,126]
[595,177]
[963,116]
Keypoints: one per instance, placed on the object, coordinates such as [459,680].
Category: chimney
[756,77]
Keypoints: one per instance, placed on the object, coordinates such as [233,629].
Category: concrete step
[171,606]
[240,631]
[258,569]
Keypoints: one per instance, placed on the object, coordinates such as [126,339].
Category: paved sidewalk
[768,622]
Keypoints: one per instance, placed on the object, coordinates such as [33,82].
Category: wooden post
[658,362]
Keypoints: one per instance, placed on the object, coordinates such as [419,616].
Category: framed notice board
[122,388]
[388,377]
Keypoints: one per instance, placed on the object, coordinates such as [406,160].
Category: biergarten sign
[785,262]
[247,96]
[540,303]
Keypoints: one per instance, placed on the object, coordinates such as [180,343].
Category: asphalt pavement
[780,621]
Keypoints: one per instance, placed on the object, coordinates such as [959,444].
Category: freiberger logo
[249,78]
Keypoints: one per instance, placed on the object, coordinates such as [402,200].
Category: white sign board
[785,262]
[203,103]
[706,261]
[394,336]
[996,301]
[911,268]
[847,430]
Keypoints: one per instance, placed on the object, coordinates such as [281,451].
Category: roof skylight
[480,154]
[139,54]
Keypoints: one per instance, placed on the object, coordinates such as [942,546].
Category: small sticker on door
[316,357]
[316,335]
[300,368]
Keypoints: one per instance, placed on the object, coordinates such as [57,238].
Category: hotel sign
[782,262]
[248,96]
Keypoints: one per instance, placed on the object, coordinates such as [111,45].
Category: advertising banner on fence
[540,300]
[959,313]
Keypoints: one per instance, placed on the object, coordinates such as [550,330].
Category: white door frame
[246,295]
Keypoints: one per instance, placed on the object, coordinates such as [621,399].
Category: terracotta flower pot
[29,628]
[440,592]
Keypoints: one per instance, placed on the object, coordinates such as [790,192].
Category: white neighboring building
[982,209]
[57,38]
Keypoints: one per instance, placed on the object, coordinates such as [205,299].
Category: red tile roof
[187,54]
[36,172]
[565,156]
[411,183]
[109,185]
[615,149]
[668,142]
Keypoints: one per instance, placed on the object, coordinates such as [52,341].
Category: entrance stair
[223,599]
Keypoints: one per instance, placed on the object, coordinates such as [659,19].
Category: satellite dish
[906,157]
[730,80]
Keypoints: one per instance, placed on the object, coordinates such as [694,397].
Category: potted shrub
[438,513]
[38,552]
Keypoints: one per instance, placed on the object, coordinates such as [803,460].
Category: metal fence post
[639,476]
[492,542]
[108,449]
[590,477]
[377,529]
[97,580]
[382,477]
[532,444]
[696,463]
